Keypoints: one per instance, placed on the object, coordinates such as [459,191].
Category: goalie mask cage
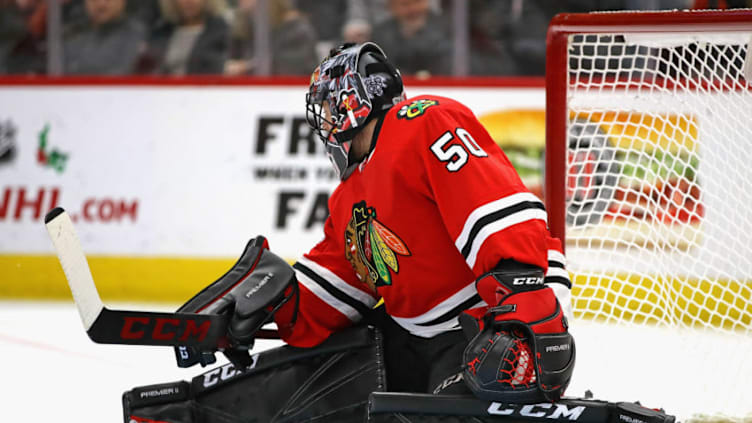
[649,182]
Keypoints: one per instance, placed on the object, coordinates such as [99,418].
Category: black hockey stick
[105,326]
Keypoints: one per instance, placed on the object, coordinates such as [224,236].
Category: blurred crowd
[287,37]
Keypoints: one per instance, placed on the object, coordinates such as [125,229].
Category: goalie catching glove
[521,351]
[251,292]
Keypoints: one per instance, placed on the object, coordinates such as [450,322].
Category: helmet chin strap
[353,157]
[365,135]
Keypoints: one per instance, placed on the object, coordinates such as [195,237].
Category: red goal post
[648,183]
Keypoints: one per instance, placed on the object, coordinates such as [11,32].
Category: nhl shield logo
[7,141]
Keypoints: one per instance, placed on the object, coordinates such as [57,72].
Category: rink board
[166,184]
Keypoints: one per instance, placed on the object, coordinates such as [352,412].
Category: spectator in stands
[327,17]
[192,38]
[147,12]
[339,21]
[109,43]
[23,24]
[355,19]
[292,40]
[356,31]
[377,11]
[509,37]
[74,13]
[415,37]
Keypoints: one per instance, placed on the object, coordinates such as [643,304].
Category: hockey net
[649,181]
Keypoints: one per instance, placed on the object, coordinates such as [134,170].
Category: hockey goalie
[436,293]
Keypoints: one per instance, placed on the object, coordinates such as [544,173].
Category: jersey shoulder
[423,109]
[422,118]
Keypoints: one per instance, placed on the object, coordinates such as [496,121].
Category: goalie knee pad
[523,352]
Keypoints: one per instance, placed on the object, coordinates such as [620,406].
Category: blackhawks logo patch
[415,109]
[371,248]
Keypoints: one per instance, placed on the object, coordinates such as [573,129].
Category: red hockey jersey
[435,205]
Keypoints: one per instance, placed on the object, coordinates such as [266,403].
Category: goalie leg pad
[330,382]
[386,407]
[166,402]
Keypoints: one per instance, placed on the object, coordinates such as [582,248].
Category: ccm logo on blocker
[533,280]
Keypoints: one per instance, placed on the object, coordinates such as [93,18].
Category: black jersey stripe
[454,312]
[552,263]
[558,279]
[497,215]
[328,287]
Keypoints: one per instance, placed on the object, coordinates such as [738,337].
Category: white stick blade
[76,268]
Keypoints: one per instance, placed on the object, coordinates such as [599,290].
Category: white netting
[659,205]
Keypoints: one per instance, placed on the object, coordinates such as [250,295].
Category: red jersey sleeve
[486,209]
[330,297]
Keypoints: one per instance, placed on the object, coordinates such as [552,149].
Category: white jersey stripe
[338,283]
[554,255]
[328,298]
[487,209]
[429,331]
[557,271]
[413,324]
[500,225]
[564,295]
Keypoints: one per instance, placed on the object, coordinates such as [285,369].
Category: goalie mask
[349,88]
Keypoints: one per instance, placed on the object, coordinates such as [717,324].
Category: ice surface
[50,370]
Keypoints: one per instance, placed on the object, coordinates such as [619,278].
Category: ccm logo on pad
[226,372]
[542,410]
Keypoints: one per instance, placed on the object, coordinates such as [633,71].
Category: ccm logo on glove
[528,281]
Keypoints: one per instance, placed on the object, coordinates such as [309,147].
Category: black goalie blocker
[522,351]
[251,292]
